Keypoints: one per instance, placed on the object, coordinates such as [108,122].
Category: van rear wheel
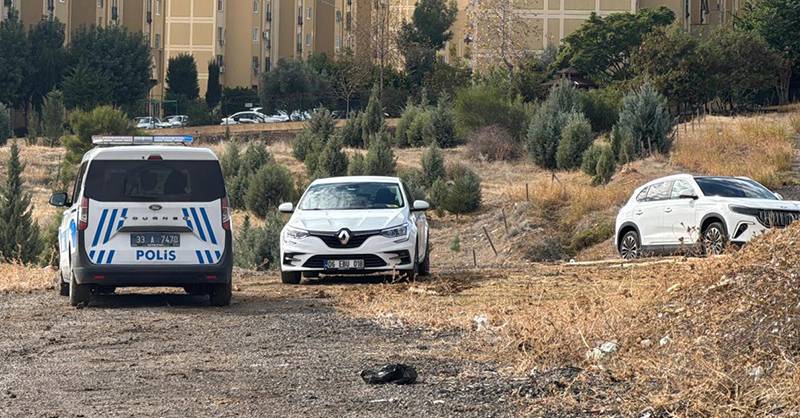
[220,294]
[78,293]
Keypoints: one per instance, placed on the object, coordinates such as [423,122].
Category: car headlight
[396,232]
[744,210]
[295,234]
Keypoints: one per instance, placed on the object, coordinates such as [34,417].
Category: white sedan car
[682,212]
[244,117]
[355,225]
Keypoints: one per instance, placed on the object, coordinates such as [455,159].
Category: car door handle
[639,212]
[668,210]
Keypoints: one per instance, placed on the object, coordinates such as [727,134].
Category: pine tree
[432,165]
[53,118]
[380,159]
[19,234]
[357,166]
[5,125]
[372,120]
[331,161]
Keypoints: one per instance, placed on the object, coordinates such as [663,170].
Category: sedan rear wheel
[629,247]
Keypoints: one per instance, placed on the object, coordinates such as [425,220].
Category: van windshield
[154,181]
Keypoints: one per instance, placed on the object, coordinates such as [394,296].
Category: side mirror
[287,207]
[421,205]
[688,196]
[59,200]
[779,196]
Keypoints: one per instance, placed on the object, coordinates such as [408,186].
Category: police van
[145,211]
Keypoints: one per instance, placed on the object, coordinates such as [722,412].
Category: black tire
[220,294]
[411,275]
[630,246]
[291,277]
[62,286]
[195,290]
[79,293]
[424,268]
[715,240]
[105,290]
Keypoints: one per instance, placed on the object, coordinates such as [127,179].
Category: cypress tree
[19,234]
[213,88]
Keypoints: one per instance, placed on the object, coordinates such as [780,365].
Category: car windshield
[352,196]
[733,187]
[154,181]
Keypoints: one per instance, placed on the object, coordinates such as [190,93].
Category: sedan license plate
[155,239]
[344,264]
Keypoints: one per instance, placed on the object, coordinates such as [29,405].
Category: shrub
[464,195]
[437,195]
[420,132]
[49,255]
[19,233]
[549,248]
[268,188]
[601,107]
[413,180]
[230,160]
[589,159]
[257,248]
[406,119]
[576,137]
[351,132]
[255,156]
[492,143]
[5,125]
[544,133]
[605,167]
[484,105]
[306,143]
[455,246]
[331,161]
[34,127]
[646,117]
[321,123]
[443,125]
[380,159]
[53,118]
[357,166]
[103,120]
[592,236]
[432,165]
[372,120]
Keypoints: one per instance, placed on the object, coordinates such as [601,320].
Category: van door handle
[668,210]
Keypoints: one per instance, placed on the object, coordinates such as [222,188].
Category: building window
[158,7]
[308,39]
[338,16]
[220,60]
[255,65]
[255,34]
[255,6]
[338,42]
[266,40]
[158,40]
[220,5]
[308,13]
[267,64]
[220,35]
[99,4]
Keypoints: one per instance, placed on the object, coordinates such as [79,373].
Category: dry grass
[759,147]
[15,277]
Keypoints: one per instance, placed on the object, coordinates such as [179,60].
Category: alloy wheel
[714,240]
[629,249]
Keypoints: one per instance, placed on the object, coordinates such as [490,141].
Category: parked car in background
[150,122]
[355,225]
[177,121]
[244,117]
[684,212]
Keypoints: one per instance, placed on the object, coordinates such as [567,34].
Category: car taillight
[83,214]
[226,214]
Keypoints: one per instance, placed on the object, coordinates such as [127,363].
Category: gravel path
[170,355]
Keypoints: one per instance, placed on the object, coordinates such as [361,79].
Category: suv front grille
[370,260]
[357,239]
[777,218]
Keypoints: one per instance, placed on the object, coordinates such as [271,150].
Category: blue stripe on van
[110,225]
[91,255]
[100,257]
[197,223]
[208,255]
[110,256]
[186,218]
[199,256]
[99,228]
[219,256]
[208,226]
[122,218]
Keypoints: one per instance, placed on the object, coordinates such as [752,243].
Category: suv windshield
[733,187]
[154,181]
[352,196]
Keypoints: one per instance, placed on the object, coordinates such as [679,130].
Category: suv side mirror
[59,200]
[688,196]
[287,207]
[421,205]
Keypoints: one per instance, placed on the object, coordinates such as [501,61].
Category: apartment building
[352,26]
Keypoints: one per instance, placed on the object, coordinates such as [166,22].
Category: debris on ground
[398,374]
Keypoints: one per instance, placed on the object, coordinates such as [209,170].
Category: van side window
[78,181]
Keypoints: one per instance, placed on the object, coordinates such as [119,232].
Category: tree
[432,165]
[443,125]
[484,105]
[778,22]
[19,233]
[234,99]
[576,137]
[351,75]
[645,117]
[182,78]
[48,59]
[86,88]
[464,195]
[500,32]
[331,161]
[103,120]
[122,58]
[291,86]
[5,125]
[530,74]
[357,166]
[270,186]
[372,119]
[426,33]
[544,133]
[380,159]
[602,47]
[445,80]
[14,64]
[213,88]
[53,118]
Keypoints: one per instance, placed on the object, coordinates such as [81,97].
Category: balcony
[269,16]
[300,20]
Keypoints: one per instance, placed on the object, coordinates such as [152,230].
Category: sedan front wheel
[630,247]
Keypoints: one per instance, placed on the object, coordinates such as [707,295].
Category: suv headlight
[744,210]
[398,232]
[293,234]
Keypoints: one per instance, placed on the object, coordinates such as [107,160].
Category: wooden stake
[505,223]
[490,240]
[527,194]
[474,258]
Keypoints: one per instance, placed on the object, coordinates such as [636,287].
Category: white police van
[145,212]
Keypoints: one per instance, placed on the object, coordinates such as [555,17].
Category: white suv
[682,212]
[145,215]
[355,225]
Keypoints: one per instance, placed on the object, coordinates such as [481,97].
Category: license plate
[344,264]
[155,239]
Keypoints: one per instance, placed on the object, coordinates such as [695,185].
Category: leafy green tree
[182,77]
[646,119]
[602,47]
[5,125]
[86,88]
[122,58]
[601,107]
[53,118]
[576,137]
[271,185]
[432,165]
[292,86]
[357,166]
[547,124]
[445,80]
[380,160]
[331,160]
[255,156]
[19,233]
[426,33]
[213,87]
[14,64]
[103,120]
[47,59]
[372,120]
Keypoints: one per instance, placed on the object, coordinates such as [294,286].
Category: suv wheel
[630,247]
[714,239]
[220,294]
[290,277]
[78,293]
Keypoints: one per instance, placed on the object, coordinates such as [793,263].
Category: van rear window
[154,181]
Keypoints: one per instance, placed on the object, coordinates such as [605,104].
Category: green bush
[437,195]
[443,125]
[49,255]
[357,166]
[433,167]
[53,118]
[321,123]
[484,105]
[380,159]
[103,120]
[646,117]
[255,156]
[34,128]
[544,133]
[305,144]
[601,107]
[413,180]
[5,125]
[576,137]
[19,233]
[230,160]
[257,248]
[606,165]
[589,159]
[464,195]
[408,117]
[331,161]
[420,132]
[271,185]
[372,121]
[351,132]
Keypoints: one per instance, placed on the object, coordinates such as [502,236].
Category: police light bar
[141,140]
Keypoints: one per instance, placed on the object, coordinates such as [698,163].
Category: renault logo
[344,236]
